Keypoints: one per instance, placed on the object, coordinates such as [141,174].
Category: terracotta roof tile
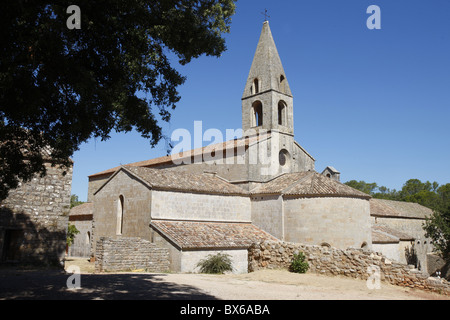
[390,208]
[176,180]
[309,183]
[231,144]
[82,209]
[382,231]
[382,237]
[210,235]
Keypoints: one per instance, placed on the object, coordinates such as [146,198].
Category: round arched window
[284,158]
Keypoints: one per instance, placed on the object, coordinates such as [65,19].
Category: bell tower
[267,102]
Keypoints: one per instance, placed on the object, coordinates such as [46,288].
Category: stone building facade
[223,197]
[81,217]
[191,215]
[398,232]
[34,219]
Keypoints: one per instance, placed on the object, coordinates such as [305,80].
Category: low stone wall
[355,263]
[125,254]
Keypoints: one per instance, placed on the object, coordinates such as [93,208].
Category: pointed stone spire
[266,72]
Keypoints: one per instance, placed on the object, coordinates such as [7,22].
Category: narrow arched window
[257,110]
[120,203]
[282,84]
[256,85]
[282,113]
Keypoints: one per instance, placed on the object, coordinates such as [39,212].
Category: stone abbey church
[192,209]
[198,208]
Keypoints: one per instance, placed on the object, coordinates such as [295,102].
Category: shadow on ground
[52,285]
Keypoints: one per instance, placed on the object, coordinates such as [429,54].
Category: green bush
[298,264]
[218,263]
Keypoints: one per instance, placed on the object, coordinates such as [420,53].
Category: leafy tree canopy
[74,201]
[60,87]
[437,227]
[428,194]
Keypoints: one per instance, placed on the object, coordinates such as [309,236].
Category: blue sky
[374,104]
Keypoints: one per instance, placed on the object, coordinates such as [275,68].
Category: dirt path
[261,285]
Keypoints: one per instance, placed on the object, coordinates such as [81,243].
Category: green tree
[437,227]
[74,201]
[444,193]
[424,193]
[386,193]
[61,87]
[72,231]
[426,198]
[414,186]
[363,186]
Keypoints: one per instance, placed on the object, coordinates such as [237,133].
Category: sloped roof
[82,209]
[82,212]
[391,208]
[218,147]
[171,180]
[308,183]
[385,234]
[379,237]
[330,168]
[210,235]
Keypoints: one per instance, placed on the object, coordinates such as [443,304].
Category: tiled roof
[231,144]
[382,237]
[82,212]
[82,209]
[210,235]
[385,234]
[309,183]
[165,179]
[390,208]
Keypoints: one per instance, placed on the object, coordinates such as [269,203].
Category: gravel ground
[261,285]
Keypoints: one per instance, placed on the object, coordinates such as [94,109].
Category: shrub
[218,263]
[298,264]
[72,231]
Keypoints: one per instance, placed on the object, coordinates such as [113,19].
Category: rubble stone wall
[355,263]
[34,219]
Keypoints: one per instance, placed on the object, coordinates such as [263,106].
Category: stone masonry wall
[195,206]
[34,218]
[355,263]
[125,254]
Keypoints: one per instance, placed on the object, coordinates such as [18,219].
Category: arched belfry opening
[257,114]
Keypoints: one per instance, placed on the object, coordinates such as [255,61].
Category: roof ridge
[286,190]
[225,145]
[191,182]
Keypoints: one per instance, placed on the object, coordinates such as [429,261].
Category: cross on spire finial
[266,15]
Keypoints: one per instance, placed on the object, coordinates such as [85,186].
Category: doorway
[11,245]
